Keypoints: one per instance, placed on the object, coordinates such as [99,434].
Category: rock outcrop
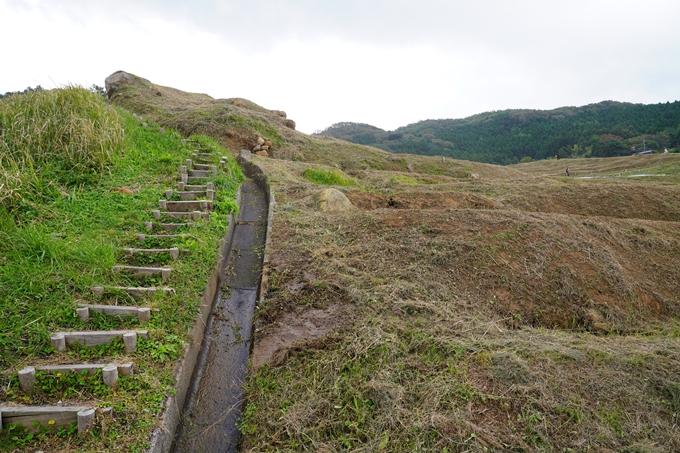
[333,201]
[117,80]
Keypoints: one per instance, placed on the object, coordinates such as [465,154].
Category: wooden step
[203,156]
[139,271]
[141,313]
[141,237]
[186,206]
[149,226]
[110,372]
[135,292]
[200,164]
[60,340]
[173,251]
[191,179]
[192,195]
[211,170]
[174,226]
[193,215]
[47,416]
[183,186]
[197,194]
[207,167]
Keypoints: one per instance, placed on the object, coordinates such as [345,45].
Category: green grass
[54,247]
[401,179]
[327,177]
[51,139]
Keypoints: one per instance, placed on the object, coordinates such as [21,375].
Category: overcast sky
[383,62]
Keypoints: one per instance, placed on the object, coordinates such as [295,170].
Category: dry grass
[500,314]
[649,163]
[477,308]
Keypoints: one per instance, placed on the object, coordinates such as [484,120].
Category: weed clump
[53,138]
[327,177]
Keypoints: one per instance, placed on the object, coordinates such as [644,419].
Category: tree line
[504,137]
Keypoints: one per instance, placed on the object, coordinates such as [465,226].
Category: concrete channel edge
[162,437]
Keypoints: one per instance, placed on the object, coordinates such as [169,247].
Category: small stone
[262,154]
[268,143]
[474,176]
[265,147]
[257,148]
[260,141]
[290,124]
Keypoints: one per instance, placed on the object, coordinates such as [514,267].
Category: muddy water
[214,404]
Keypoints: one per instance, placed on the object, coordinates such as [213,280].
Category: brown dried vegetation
[462,306]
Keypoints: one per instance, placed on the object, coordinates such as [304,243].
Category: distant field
[609,166]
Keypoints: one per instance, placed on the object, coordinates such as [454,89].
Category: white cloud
[386,63]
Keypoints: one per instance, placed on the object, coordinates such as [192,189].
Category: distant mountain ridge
[605,129]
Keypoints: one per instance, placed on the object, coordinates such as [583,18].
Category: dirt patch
[274,341]
[413,200]
[625,201]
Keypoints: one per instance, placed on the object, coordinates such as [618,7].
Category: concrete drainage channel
[211,377]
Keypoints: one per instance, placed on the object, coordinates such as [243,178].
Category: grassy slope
[508,312]
[450,304]
[55,249]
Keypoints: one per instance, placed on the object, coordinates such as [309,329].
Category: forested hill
[505,137]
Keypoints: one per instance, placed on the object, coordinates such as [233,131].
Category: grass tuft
[54,139]
[327,177]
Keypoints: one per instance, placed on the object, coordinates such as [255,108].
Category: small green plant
[400,179]
[327,177]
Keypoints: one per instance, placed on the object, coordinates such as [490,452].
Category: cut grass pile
[55,248]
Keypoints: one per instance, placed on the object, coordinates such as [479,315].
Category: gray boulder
[333,201]
[116,81]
